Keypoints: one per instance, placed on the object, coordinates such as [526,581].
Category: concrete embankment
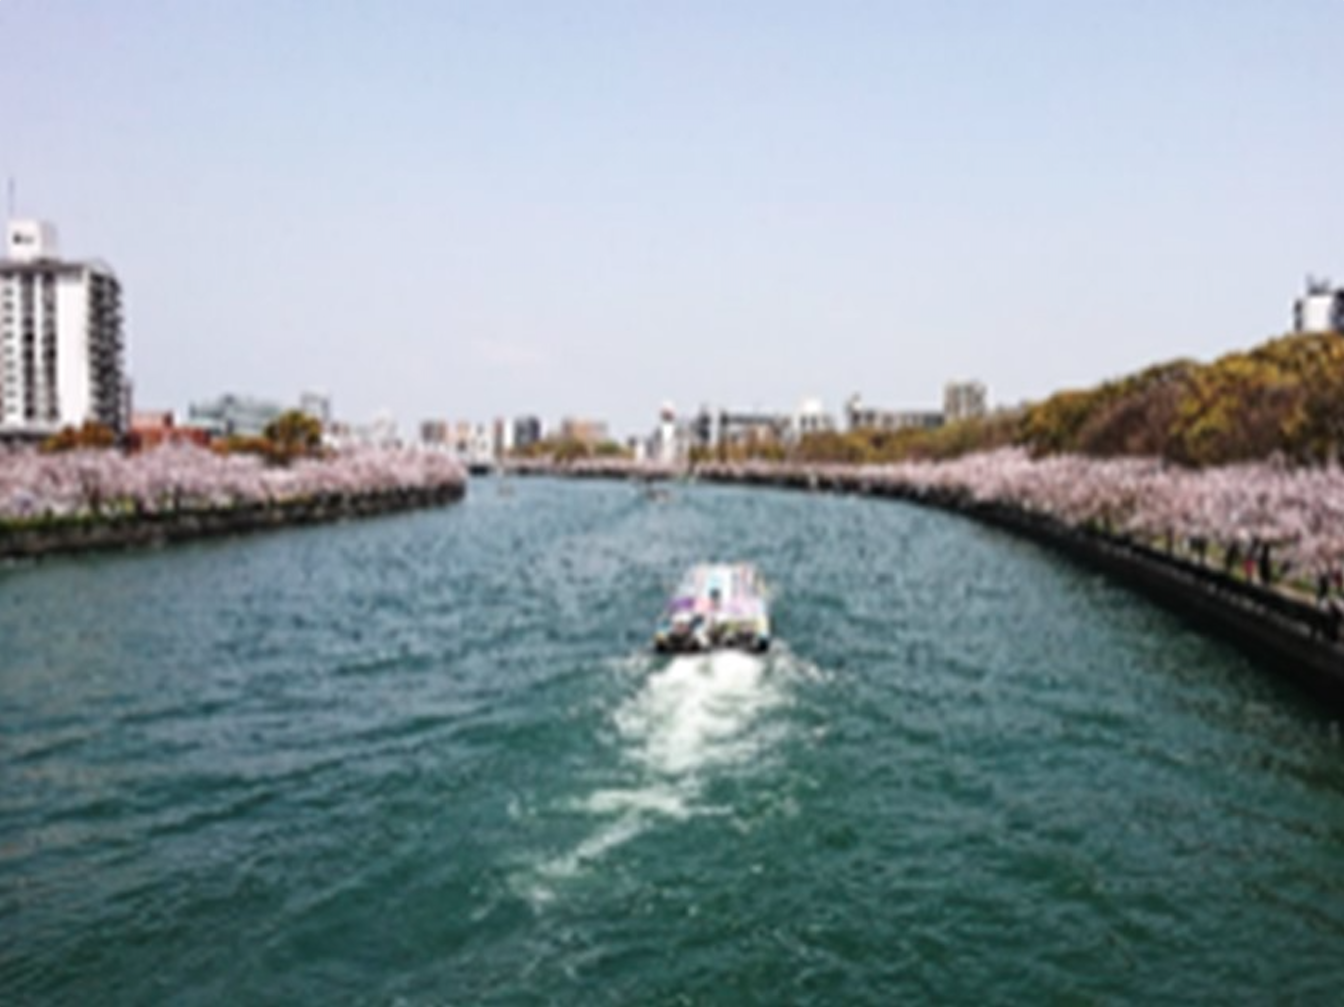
[128,531]
[1288,635]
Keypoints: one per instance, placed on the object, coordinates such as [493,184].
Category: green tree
[293,434]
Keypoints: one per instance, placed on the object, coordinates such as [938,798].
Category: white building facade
[864,417]
[964,400]
[1320,309]
[61,341]
[669,443]
[812,418]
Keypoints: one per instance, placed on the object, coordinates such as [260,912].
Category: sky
[470,210]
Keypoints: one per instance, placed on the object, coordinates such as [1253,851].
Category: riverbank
[95,500]
[85,533]
[1296,638]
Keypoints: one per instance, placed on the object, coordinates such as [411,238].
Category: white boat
[716,606]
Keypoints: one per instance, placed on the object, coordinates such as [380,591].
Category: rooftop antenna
[13,196]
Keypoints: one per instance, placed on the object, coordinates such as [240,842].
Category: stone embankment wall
[1287,634]
[126,531]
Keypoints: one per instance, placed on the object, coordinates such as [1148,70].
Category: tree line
[1284,398]
[291,436]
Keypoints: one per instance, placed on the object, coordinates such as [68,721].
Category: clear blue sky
[492,208]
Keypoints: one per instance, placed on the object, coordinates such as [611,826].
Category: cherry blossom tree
[1297,512]
[184,476]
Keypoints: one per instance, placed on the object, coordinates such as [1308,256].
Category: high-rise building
[61,341]
[665,446]
[503,434]
[964,400]
[526,432]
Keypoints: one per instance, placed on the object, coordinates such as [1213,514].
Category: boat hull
[691,645]
[716,607]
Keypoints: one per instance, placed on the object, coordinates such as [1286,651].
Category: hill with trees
[1283,398]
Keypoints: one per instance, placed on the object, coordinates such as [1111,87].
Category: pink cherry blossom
[180,476]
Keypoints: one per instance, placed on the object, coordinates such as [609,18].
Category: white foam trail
[667,801]
[697,715]
[609,837]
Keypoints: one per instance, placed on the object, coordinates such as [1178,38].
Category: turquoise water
[428,760]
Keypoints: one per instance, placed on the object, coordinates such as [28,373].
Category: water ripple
[429,759]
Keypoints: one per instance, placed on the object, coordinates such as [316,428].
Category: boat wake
[695,720]
[697,714]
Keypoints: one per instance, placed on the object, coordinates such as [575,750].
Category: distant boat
[716,606]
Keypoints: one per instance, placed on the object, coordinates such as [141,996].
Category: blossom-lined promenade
[1297,514]
[99,499]
[1294,517]
[1254,552]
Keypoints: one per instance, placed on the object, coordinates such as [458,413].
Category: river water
[428,759]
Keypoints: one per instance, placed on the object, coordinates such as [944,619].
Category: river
[429,759]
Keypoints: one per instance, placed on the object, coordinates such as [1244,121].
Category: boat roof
[728,579]
[736,585]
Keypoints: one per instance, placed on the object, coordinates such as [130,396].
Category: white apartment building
[667,445]
[863,417]
[812,418]
[60,338]
[1320,309]
[472,443]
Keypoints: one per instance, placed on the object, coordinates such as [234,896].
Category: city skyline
[477,212]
